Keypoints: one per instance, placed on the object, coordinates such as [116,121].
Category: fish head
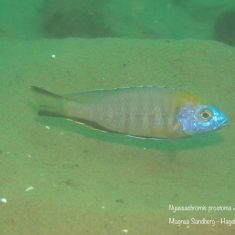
[197,119]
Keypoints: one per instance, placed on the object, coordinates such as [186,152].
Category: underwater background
[57,177]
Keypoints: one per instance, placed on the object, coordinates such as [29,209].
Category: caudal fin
[48,103]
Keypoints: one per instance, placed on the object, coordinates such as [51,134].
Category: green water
[62,178]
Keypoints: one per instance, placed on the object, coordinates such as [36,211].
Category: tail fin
[49,104]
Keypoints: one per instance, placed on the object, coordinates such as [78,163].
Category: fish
[145,112]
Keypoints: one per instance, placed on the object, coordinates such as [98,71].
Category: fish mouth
[223,120]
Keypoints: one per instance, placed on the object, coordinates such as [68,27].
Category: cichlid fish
[151,112]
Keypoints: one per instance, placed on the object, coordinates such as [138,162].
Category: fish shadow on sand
[194,142]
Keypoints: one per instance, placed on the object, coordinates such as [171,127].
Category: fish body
[152,112]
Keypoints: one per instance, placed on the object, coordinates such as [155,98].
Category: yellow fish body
[137,111]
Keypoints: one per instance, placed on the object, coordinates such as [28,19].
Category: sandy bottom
[62,178]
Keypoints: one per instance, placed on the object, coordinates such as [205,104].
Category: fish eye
[205,115]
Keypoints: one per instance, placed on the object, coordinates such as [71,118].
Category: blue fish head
[197,119]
